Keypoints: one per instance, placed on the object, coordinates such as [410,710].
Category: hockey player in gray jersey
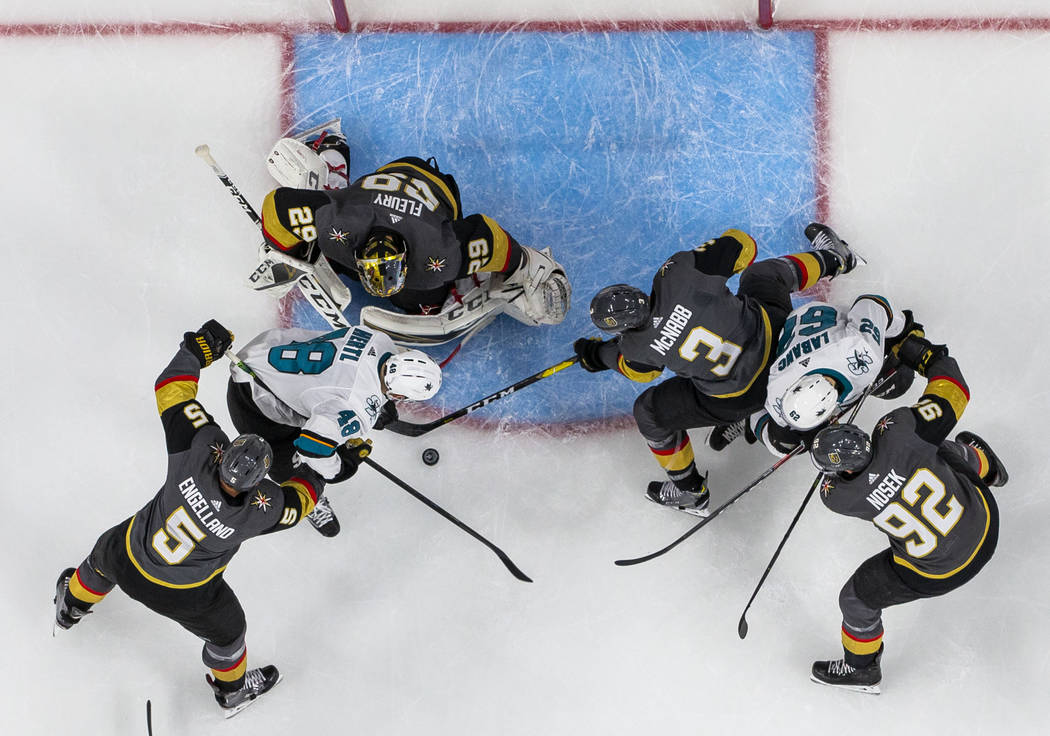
[826,358]
[171,554]
[928,494]
[401,232]
[316,397]
[719,345]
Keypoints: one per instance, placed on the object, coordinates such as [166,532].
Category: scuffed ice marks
[615,149]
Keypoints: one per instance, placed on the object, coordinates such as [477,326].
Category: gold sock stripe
[235,672]
[677,459]
[860,646]
[82,592]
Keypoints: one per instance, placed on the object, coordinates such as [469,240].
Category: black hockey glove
[352,452]
[587,351]
[897,379]
[919,353]
[209,342]
[387,415]
[911,327]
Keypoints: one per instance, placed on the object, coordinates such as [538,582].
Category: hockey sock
[809,267]
[859,650]
[675,456]
[86,588]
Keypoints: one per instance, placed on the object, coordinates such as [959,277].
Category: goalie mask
[618,308]
[382,263]
[810,402]
[245,462]
[841,448]
[412,375]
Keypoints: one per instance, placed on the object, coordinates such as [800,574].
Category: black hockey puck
[430,456]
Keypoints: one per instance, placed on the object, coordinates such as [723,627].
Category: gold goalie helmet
[382,263]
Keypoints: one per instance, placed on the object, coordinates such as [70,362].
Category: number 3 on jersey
[717,350]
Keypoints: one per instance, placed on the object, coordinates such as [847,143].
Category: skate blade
[868,689]
[703,513]
[230,713]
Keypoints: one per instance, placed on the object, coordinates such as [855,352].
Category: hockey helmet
[810,401]
[382,262]
[412,375]
[841,448]
[619,307]
[245,462]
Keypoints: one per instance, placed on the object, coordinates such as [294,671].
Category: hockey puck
[430,456]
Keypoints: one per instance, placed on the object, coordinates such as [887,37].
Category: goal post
[342,18]
[765,14]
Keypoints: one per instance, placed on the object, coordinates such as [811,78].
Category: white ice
[117,240]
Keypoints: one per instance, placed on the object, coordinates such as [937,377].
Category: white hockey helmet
[810,401]
[413,375]
[294,164]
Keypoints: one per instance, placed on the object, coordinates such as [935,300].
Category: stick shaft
[508,563]
[415,430]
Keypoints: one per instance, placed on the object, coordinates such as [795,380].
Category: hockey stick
[799,449]
[765,474]
[410,429]
[315,275]
[741,627]
[514,570]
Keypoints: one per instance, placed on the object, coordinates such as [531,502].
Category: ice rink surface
[934,156]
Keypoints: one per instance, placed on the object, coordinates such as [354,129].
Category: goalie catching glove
[209,342]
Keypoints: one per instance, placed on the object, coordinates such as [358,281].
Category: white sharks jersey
[327,383]
[819,338]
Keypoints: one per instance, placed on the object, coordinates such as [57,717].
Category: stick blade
[202,150]
[741,628]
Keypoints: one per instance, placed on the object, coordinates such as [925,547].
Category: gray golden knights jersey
[700,330]
[327,383]
[935,516]
[418,205]
[191,528]
[819,338]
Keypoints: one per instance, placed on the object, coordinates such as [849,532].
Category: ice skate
[323,518]
[66,616]
[838,673]
[997,475]
[823,237]
[666,493]
[722,435]
[256,682]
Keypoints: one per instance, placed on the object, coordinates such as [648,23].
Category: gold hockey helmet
[382,263]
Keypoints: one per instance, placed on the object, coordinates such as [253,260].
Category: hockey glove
[587,350]
[897,380]
[352,452]
[911,327]
[919,353]
[209,342]
[387,415]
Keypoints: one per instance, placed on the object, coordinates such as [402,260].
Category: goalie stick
[415,430]
[317,282]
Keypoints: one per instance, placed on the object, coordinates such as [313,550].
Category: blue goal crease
[614,149]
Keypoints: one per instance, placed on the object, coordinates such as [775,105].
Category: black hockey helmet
[841,448]
[245,462]
[619,307]
[382,262]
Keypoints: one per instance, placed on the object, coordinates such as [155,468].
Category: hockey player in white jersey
[316,397]
[826,358]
